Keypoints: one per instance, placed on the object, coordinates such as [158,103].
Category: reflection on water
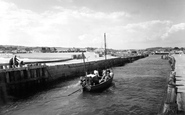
[138,89]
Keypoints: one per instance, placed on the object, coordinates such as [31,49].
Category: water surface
[138,89]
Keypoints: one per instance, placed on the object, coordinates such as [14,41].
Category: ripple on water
[137,89]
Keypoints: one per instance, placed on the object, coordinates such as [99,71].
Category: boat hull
[100,87]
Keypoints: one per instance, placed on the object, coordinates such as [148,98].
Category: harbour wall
[171,103]
[18,82]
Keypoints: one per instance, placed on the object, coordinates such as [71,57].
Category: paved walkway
[180,76]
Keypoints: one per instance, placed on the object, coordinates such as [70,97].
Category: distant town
[24,49]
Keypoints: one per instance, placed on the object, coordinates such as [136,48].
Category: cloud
[56,27]
[178,28]
[139,32]
[147,34]
[85,13]
[82,27]
[124,36]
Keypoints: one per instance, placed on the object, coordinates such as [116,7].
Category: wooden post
[16,75]
[3,91]
[7,77]
[34,73]
[46,73]
[28,73]
[38,72]
[1,67]
[85,68]
[41,73]
[11,76]
[21,74]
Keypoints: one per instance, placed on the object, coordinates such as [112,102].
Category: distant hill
[27,49]
[44,49]
[159,48]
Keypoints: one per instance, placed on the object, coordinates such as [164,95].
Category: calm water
[138,89]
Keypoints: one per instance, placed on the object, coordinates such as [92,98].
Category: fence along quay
[17,82]
[172,105]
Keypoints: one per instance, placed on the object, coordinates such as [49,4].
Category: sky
[128,24]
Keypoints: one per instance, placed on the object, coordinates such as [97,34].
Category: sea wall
[17,82]
[170,106]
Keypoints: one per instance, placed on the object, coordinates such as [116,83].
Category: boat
[87,81]
[88,86]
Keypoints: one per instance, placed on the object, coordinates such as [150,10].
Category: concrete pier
[180,81]
[175,98]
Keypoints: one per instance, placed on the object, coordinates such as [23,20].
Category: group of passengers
[97,79]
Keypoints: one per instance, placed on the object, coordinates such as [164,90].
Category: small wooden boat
[87,86]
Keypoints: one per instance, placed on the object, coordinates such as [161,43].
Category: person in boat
[83,81]
[104,74]
[96,73]
[111,74]
[107,75]
[95,78]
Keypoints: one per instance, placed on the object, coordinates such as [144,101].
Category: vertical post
[15,77]
[7,77]
[34,73]
[28,73]
[3,91]
[83,56]
[46,72]
[22,74]
[105,46]
[41,74]
[1,67]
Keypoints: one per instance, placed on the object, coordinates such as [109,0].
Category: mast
[83,56]
[105,46]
